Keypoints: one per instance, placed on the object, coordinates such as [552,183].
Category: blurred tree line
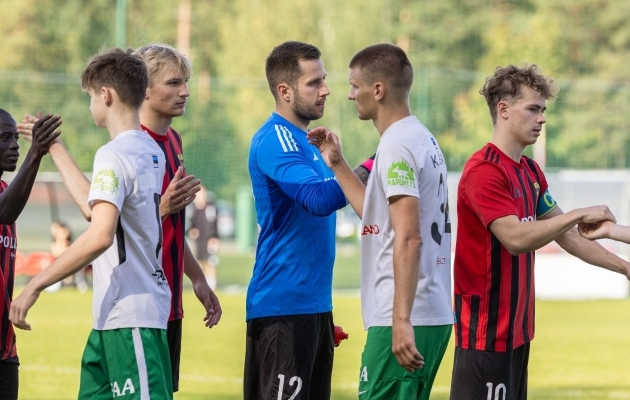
[453,45]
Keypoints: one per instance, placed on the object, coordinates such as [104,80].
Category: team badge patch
[400,174]
[106,181]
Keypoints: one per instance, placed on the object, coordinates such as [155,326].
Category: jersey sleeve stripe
[293,142]
[279,134]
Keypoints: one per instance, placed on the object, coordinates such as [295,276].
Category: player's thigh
[130,362]
[382,377]
[9,379]
[174,340]
[482,375]
[280,355]
[321,374]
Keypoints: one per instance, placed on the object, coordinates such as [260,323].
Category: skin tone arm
[405,217]
[522,237]
[16,195]
[591,251]
[179,194]
[204,293]
[92,243]
[605,230]
[328,144]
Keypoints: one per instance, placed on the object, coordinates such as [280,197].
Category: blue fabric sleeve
[293,172]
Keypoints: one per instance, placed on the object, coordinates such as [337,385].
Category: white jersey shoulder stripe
[286,139]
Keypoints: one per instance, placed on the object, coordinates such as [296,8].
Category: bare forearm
[75,181]
[406,272]
[620,233]
[192,269]
[592,252]
[14,198]
[82,252]
[352,187]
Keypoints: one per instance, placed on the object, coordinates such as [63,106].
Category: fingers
[409,358]
[17,316]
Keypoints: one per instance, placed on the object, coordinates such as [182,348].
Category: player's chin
[9,166]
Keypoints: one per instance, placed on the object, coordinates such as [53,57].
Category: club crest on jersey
[180,157]
[106,181]
[400,174]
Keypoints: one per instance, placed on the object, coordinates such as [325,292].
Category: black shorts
[482,375]
[174,339]
[9,380]
[291,355]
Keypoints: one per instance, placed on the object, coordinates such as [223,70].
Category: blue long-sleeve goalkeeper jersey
[296,197]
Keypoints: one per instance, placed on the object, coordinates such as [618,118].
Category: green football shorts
[127,363]
[382,378]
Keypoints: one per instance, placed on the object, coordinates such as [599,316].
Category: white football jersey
[130,289]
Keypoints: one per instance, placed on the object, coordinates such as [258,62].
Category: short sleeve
[487,190]
[107,180]
[399,170]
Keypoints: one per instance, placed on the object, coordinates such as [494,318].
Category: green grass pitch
[580,351]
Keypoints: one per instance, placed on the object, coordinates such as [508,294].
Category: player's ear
[379,91]
[107,94]
[502,109]
[285,92]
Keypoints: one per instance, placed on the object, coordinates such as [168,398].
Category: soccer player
[506,212]
[406,240]
[289,347]
[165,99]
[126,354]
[13,198]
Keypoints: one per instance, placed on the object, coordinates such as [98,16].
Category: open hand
[179,193]
[19,308]
[210,302]
[327,143]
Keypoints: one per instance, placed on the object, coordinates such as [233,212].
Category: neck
[126,119]
[155,122]
[290,116]
[386,116]
[509,147]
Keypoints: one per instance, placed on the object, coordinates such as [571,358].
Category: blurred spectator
[204,231]
[61,240]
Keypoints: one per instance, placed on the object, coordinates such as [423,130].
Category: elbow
[515,248]
[103,242]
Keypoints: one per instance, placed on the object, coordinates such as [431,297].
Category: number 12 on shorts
[291,383]
[497,391]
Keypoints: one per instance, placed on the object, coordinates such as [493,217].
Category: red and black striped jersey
[494,290]
[173,226]
[8,249]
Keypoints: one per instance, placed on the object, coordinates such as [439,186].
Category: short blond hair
[158,56]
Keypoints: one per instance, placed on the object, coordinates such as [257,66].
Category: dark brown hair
[120,70]
[283,63]
[506,82]
[385,62]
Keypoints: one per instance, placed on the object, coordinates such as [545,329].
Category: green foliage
[453,44]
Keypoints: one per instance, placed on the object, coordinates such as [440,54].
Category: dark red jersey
[494,290]
[8,249]
[172,226]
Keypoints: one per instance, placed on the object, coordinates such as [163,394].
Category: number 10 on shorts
[291,383]
[497,391]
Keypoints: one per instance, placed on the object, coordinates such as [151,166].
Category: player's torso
[409,158]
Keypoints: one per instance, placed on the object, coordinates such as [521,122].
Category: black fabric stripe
[528,281]
[514,294]
[4,334]
[474,321]
[497,157]
[532,166]
[120,242]
[486,156]
[458,319]
[526,194]
[495,292]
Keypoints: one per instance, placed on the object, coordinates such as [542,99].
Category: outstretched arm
[521,237]
[75,181]
[93,242]
[329,147]
[14,198]
[590,251]
[204,293]
[605,229]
